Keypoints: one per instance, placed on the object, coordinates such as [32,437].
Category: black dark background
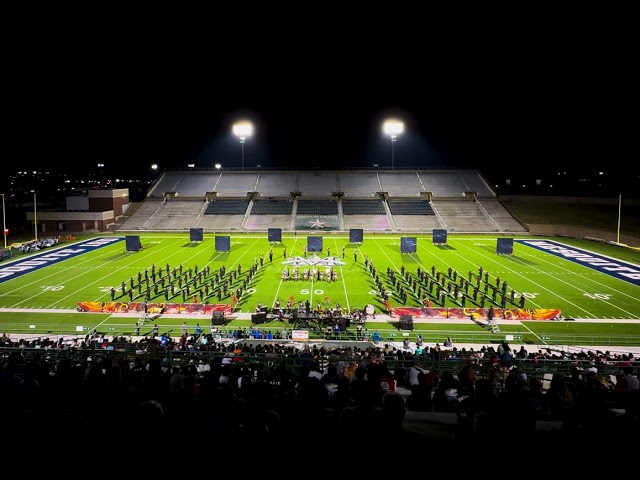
[507,91]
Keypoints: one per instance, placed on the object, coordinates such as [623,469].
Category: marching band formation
[329,274]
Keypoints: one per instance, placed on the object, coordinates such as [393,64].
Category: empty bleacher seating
[227,207]
[317,207]
[272,207]
[404,184]
[359,184]
[410,207]
[353,206]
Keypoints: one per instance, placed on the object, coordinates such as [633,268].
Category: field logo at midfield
[50,256]
[615,268]
[313,260]
[318,224]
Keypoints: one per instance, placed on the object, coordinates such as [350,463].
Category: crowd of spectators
[340,392]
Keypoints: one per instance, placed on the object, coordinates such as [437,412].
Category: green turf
[546,281]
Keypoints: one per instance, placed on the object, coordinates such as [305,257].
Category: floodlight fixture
[242,130]
[393,127]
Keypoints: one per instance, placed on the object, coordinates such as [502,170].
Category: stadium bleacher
[460,201]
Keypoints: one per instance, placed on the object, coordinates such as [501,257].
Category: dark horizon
[504,97]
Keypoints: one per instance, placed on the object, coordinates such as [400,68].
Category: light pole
[4,223]
[393,128]
[35,219]
[242,130]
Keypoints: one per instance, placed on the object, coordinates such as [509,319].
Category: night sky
[501,96]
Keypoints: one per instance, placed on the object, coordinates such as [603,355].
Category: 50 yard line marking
[344,285]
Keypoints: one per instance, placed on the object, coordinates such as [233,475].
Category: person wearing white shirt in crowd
[412,374]
[314,371]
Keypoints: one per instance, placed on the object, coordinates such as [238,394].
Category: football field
[584,280]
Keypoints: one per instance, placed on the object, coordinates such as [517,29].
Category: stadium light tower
[393,128]
[242,130]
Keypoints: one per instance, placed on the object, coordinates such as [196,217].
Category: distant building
[97,210]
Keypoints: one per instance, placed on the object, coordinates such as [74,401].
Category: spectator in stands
[392,420]
[365,416]
[350,370]
[632,380]
[411,376]
[506,358]
[477,414]
[445,396]
[420,398]
[537,398]
[466,380]
[561,402]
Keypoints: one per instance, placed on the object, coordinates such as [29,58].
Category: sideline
[614,349]
[247,316]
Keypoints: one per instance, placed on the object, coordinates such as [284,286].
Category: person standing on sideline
[271,255]
[156,330]
[355,255]
[284,253]
[137,329]
[343,252]
[183,329]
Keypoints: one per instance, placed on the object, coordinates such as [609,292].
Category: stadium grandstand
[461,201]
